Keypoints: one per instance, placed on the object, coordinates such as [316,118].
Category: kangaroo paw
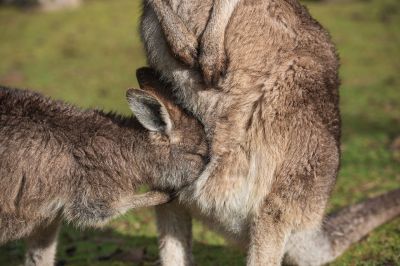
[182,42]
[212,59]
[186,50]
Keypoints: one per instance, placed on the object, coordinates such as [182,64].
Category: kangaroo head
[178,136]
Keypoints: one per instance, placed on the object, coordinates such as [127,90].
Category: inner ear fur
[150,110]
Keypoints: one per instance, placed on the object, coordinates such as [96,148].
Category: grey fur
[58,162]
[272,121]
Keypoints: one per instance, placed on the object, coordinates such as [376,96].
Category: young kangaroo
[274,130]
[58,162]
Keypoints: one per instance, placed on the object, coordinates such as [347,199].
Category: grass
[88,57]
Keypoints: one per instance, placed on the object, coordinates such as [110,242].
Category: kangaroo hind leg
[42,245]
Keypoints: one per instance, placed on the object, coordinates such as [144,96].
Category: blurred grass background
[88,57]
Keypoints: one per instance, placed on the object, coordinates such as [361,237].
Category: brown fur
[272,121]
[58,162]
[341,229]
[207,52]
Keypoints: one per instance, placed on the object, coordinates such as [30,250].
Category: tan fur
[272,121]
[212,57]
[341,229]
[209,52]
[61,163]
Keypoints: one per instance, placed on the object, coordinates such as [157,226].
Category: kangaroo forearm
[148,199]
[98,211]
[181,40]
[221,14]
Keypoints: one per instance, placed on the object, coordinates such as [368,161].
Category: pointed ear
[147,78]
[149,110]
[150,80]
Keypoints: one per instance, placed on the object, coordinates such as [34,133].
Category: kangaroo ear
[148,78]
[149,110]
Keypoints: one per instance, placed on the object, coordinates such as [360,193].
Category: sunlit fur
[58,162]
[272,120]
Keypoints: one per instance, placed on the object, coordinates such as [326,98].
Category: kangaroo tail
[351,224]
[341,229]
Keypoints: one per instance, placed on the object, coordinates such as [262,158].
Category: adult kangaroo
[272,121]
[58,162]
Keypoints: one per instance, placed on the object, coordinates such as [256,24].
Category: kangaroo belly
[230,227]
[230,192]
[224,202]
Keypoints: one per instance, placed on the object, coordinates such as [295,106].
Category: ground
[88,57]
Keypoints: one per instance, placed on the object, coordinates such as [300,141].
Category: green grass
[88,57]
